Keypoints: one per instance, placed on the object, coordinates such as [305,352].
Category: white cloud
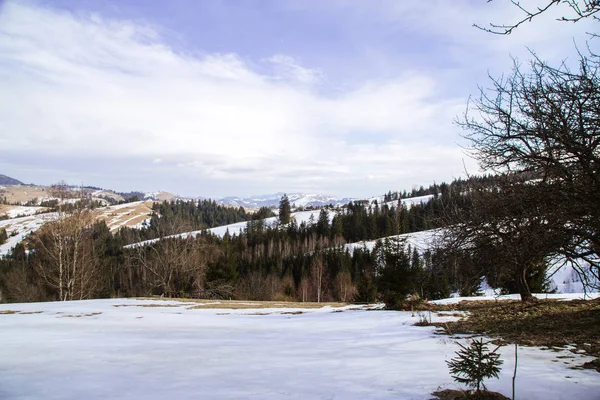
[288,67]
[85,85]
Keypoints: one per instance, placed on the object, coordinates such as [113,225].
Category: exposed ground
[549,324]
[248,304]
[22,194]
[450,394]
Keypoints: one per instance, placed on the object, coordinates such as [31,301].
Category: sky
[219,98]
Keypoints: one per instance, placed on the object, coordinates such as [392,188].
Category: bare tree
[507,234]
[318,278]
[65,258]
[546,123]
[344,288]
[172,266]
[575,10]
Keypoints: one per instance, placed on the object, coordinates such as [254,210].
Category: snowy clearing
[130,349]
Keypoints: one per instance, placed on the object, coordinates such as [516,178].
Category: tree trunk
[523,287]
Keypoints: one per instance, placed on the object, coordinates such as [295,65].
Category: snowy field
[140,349]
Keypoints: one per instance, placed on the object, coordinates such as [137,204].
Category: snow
[422,241]
[239,227]
[19,228]
[113,349]
[491,297]
[20,211]
[407,203]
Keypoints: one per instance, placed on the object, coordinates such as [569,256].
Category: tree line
[75,257]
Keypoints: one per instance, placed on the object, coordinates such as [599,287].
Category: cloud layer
[109,102]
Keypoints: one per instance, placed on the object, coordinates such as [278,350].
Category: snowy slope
[19,228]
[239,227]
[408,202]
[20,211]
[119,349]
[420,240]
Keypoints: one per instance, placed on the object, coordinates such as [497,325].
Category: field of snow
[141,349]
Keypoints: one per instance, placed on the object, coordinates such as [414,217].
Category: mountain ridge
[271,200]
[7,180]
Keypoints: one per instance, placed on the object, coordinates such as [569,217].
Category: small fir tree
[475,363]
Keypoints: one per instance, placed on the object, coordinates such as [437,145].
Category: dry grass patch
[245,304]
[11,312]
[80,315]
[23,194]
[544,323]
[129,215]
[147,305]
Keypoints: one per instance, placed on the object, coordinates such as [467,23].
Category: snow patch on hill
[19,228]
[300,217]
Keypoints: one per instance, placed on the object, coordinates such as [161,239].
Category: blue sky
[216,98]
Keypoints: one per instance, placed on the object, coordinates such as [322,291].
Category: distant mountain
[7,180]
[296,199]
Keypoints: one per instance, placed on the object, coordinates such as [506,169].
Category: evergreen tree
[475,363]
[3,236]
[285,210]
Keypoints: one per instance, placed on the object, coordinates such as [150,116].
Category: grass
[11,312]
[80,315]
[545,323]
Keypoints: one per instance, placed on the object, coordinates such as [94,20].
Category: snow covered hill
[132,215]
[239,227]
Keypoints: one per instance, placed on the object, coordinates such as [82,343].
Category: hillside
[7,180]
